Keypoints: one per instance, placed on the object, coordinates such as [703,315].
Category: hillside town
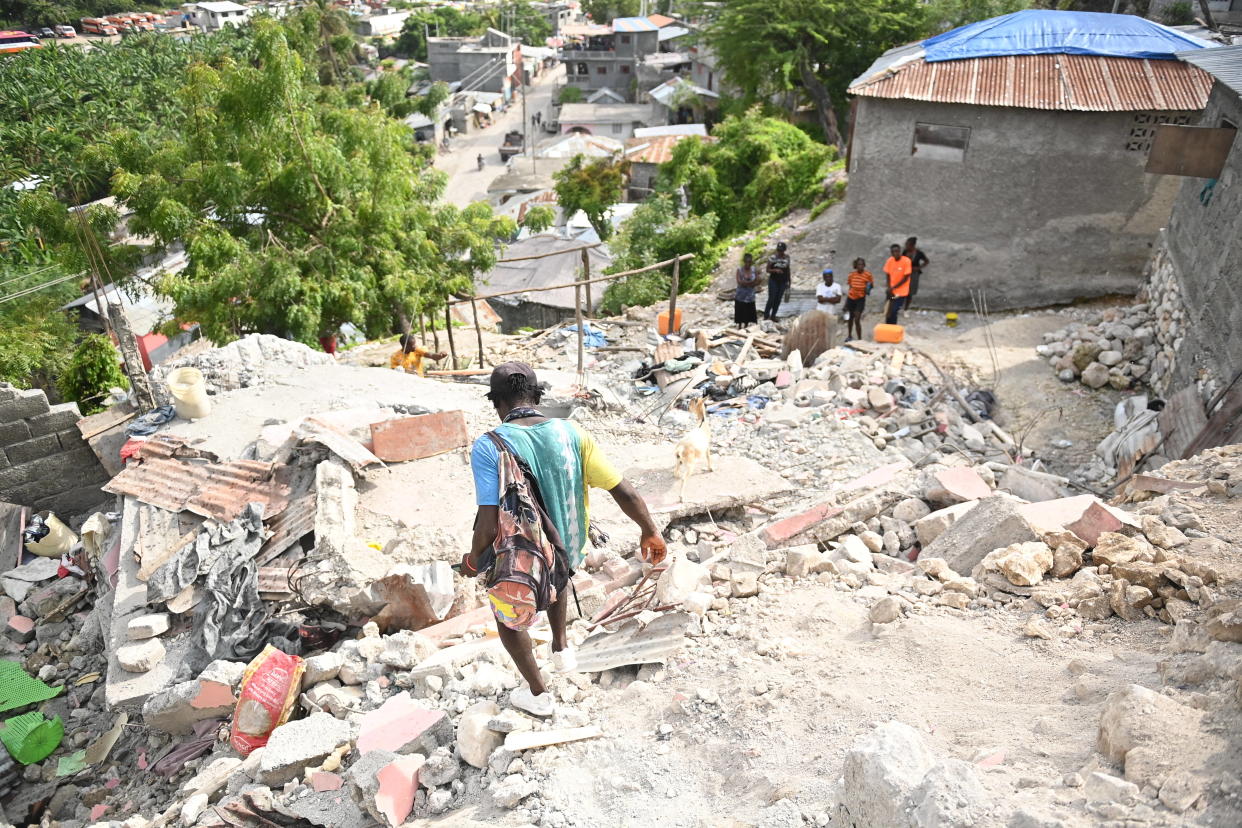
[621,412]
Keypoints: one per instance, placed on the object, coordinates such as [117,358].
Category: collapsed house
[1014,149]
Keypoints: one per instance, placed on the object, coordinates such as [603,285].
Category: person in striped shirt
[860,282]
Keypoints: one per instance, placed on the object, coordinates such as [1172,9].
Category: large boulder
[1152,735]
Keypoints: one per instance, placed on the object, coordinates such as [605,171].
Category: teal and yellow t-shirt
[565,460]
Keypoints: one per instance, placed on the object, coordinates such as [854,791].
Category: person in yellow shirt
[410,357]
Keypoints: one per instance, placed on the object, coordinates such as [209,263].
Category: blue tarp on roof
[1038,31]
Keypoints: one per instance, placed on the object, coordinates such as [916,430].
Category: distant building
[609,57]
[645,156]
[610,120]
[491,63]
[214,15]
[1014,149]
[678,101]
[381,25]
[558,14]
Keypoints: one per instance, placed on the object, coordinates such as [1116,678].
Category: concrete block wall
[44,462]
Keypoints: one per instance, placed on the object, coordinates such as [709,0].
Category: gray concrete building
[490,63]
[1021,174]
[1196,271]
[609,57]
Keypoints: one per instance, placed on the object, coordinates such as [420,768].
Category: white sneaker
[524,700]
[565,661]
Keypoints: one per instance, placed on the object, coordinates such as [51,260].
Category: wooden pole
[448,328]
[672,296]
[612,277]
[422,330]
[478,331]
[586,277]
[581,333]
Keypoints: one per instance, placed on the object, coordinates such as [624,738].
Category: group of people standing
[903,268]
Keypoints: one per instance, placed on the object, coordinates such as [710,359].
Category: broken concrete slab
[1152,735]
[413,438]
[148,626]
[1084,515]
[475,740]
[734,481]
[140,656]
[299,743]
[681,578]
[992,524]
[1022,483]
[19,581]
[957,485]
[929,527]
[828,520]
[403,725]
[384,784]
[176,709]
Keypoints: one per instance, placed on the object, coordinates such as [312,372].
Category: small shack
[1014,149]
[539,308]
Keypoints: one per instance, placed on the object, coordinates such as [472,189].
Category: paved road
[466,183]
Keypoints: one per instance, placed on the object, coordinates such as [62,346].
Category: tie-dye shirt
[566,462]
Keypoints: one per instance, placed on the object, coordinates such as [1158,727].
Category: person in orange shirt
[898,268]
[410,357]
[860,282]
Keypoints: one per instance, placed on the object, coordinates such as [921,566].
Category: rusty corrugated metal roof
[213,490]
[657,149]
[1084,83]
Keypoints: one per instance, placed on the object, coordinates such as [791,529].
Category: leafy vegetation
[94,368]
[592,186]
[602,11]
[656,233]
[816,47]
[520,19]
[942,15]
[539,218]
[571,94]
[1177,14]
[757,168]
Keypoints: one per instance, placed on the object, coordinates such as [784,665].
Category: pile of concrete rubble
[1119,348]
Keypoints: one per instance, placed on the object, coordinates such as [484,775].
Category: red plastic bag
[269,687]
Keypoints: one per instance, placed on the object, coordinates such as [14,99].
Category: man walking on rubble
[563,460]
[779,274]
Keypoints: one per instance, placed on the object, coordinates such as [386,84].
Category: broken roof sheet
[213,490]
[655,150]
[1060,82]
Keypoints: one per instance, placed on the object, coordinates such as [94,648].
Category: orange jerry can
[889,333]
[662,322]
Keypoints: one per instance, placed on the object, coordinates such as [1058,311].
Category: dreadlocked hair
[519,387]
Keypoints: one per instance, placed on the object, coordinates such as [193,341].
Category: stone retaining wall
[44,462]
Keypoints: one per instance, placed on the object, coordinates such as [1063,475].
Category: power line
[27,275]
[22,293]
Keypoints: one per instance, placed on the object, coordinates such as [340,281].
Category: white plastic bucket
[189,393]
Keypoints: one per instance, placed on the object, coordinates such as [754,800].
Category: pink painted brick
[782,530]
[324,781]
[402,724]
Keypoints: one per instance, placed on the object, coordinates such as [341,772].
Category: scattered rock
[475,740]
[885,610]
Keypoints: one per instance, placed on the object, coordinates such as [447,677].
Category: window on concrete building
[1143,128]
[625,70]
[601,70]
[617,129]
[625,39]
[583,70]
[937,142]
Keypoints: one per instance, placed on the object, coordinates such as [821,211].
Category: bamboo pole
[448,328]
[478,331]
[547,255]
[672,295]
[581,333]
[612,277]
[586,277]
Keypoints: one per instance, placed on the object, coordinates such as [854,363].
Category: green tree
[539,218]
[299,210]
[602,11]
[942,15]
[780,47]
[592,186]
[571,94]
[657,233]
[35,338]
[757,169]
[94,368]
[519,19]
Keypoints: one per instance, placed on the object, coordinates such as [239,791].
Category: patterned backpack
[531,561]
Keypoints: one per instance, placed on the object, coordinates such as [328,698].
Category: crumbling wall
[1045,207]
[1195,284]
[44,462]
